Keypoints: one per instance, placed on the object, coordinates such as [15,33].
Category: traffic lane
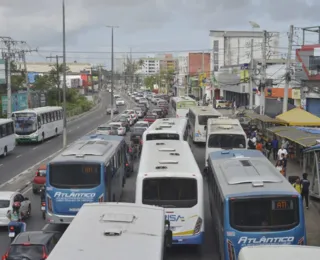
[20,150]
[36,153]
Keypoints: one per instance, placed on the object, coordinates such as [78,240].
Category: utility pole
[131,70]
[202,71]
[112,67]
[287,76]
[57,57]
[64,76]
[263,73]
[24,60]
[251,78]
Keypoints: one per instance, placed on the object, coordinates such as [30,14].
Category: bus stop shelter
[299,117]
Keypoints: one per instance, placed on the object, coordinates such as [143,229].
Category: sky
[145,26]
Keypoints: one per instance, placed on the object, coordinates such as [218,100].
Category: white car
[6,201]
[120,102]
[129,118]
[142,124]
[139,112]
[132,112]
[121,130]
[116,96]
[107,129]
[136,98]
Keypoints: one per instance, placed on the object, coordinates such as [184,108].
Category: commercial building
[308,72]
[150,66]
[168,63]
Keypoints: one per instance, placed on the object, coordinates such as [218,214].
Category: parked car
[150,118]
[6,200]
[39,179]
[120,102]
[32,245]
[115,111]
[121,129]
[107,129]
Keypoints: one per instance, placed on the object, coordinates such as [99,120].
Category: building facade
[150,66]
[168,63]
[308,72]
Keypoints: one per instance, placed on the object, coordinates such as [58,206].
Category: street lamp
[112,66]
[64,76]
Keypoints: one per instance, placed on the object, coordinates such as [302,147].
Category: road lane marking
[19,156]
[34,148]
[1,165]
[26,191]
[45,227]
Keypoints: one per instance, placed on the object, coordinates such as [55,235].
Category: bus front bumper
[27,139]
[188,240]
[58,219]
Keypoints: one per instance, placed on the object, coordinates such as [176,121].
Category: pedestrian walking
[275,147]
[268,148]
[297,185]
[281,151]
[259,146]
[305,184]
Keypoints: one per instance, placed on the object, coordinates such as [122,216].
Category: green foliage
[150,81]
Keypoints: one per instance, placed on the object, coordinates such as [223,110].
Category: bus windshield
[226,141]
[203,120]
[162,136]
[25,123]
[74,175]
[170,192]
[262,214]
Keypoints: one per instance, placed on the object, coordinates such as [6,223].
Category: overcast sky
[144,25]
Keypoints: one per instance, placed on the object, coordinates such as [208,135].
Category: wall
[195,63]
[45,67]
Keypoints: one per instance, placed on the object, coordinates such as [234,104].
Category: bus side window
[39,121]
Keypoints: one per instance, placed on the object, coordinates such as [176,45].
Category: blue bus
[251,203]
[91,170]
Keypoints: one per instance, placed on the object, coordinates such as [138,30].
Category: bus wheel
[56,131]
[5,151]
[42,140]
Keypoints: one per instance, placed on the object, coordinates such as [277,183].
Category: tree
[150,81]
[43,83]
[56,72]
[130,68]
[18,77]
[167,77]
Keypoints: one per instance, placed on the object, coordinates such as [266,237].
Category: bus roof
[204,111]
[115,230]
[164,157]
[279,252]
[226,129]
[39,109]
[5,120]
[224,121]
[247,171]
[168,125]
[91,148]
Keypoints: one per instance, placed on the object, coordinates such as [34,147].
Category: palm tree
[54,74]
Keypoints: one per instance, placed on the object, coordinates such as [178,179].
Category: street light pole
[64,77]
[112,67]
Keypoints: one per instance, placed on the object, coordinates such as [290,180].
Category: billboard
[2,71]
[32,76]
[19,101]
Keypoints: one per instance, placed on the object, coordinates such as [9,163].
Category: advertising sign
[2,71]
[19,101]
[32,76]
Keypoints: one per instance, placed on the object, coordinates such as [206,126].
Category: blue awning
[312,148]
[310,130]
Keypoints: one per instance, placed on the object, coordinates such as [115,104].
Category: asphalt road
[206,252]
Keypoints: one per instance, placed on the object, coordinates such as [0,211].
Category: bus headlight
[197,227]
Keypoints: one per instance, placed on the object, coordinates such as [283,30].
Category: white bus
[38,124]
[169,177]
[115,231]
[198,117]
[224,133]
[167,129]
[7,137]
[279,252]
[181,105]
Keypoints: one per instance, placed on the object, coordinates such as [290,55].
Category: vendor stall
[299,117]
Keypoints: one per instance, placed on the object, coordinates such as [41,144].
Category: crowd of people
[280,156]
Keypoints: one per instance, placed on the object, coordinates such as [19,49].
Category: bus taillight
[197,227]
[49,204]
[231,252]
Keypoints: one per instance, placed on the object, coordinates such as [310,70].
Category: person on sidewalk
[275,147]
[268,148]
[297,185]
[305,184]
[259,146]
[281,151]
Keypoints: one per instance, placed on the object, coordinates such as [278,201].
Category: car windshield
[4,204]
[104,128]
[122,119]
[29,251]
[120,100]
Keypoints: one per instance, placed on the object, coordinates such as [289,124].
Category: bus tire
[42,140]
[5,152]
[56,132]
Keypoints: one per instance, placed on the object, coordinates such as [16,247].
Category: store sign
[296,94]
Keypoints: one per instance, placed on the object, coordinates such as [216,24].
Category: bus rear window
[227,141]
[74,175]
[170,192]
[263,214]
[162,136]
[203,120]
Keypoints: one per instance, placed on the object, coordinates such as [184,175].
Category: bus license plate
[43,208]
[12,234]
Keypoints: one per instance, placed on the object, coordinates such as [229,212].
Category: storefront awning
[312,148]
[264,118]
[299,117]
[295,135]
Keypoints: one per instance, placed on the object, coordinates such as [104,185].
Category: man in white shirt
[282,150]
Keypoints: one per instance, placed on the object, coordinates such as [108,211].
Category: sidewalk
[313,213]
